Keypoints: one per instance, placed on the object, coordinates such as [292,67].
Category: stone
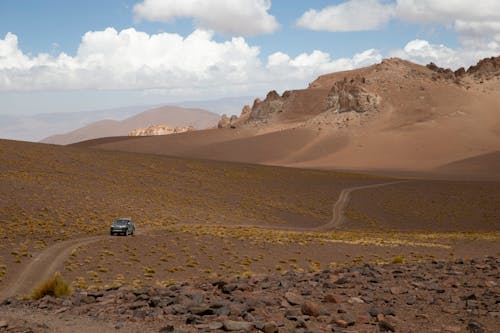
[215,325]
[270,327]
[229,288]
[355,300]
[342,280]
[168,328]
[341,323]
[330,298]
[410,300]
[201,310]
[293,298]
[311,309]
[373,311]
[231,325]
[475,327]
[137,305]
[3,324]
[385,326]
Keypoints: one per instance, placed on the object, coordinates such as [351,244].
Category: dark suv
[123,226]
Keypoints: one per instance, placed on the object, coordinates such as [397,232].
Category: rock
[159,130]
[216,325]
[494,314]
[385,326]
[342,280]
[270,327]
[410,300]
[475,327]
[341,323]
[355,300]
[3,324]
[137,305]
[223,122]
[229,288]
[141,314]
[61,310]
[373,311]
[310,309]
[330,298]
[294,299]
[396,290]
[272,95]
[165,329]
[346,96]
[201,310]
[231,325]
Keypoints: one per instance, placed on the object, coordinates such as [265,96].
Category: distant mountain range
[39,126]
[165,115]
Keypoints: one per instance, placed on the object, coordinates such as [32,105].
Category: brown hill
[171,115]
[392,116]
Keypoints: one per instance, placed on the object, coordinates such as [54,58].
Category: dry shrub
[54,286]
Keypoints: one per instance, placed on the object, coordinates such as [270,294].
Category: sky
[63,56]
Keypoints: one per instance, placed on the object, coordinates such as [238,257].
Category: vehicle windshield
[120,222]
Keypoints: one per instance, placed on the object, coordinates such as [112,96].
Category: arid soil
[206,218]
[437,296]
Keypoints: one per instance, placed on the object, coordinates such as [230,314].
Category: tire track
[339,206]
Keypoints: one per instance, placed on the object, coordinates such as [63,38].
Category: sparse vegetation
[54,286]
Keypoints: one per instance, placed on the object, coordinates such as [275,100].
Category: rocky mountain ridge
[352,91]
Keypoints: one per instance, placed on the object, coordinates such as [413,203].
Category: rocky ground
[439,296]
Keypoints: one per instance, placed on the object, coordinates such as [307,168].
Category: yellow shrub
[54,286]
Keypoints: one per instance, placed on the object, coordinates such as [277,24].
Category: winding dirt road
[43,265]
[339,206]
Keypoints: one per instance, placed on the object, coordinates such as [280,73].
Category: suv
[124,226]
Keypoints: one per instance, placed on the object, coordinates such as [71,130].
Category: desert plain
[368,202]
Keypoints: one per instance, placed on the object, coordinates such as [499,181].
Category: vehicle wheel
[111,234]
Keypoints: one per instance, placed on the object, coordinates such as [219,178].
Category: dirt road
[339,206]
[43,265]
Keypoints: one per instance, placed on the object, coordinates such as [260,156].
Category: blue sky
[41,24]
[57,54]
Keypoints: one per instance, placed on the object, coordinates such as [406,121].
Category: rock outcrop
[160,130]
[486,68]
[234,121]
[350,95]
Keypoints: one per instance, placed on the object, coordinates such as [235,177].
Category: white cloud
[476,22]
[242,17]
[422,52]
[165,63]
[353,15]
[447,11]
[292,73]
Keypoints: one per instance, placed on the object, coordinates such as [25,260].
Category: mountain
[392,116]
[171,115]
[35,127]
